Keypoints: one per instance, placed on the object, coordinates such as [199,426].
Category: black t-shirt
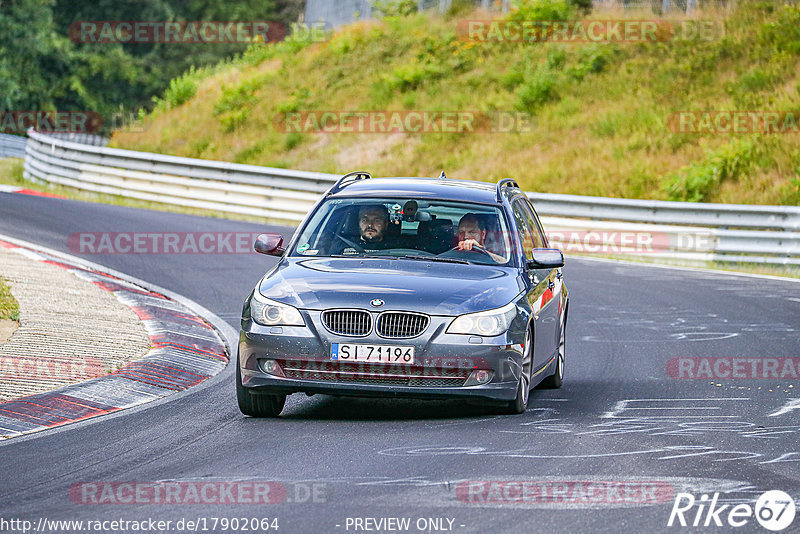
[368,246]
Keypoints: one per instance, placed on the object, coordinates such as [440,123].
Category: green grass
[600,111]
[9,307]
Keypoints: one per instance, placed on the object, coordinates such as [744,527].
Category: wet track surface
[624,424]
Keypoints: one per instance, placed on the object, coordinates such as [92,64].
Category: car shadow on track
[326,407]
[344,408]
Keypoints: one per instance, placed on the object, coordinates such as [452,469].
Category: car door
[541,293]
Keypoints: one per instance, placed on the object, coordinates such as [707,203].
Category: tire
[556,380]
[520,403]
[257,405]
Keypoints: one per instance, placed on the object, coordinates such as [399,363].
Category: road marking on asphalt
[629,408]
[792,405]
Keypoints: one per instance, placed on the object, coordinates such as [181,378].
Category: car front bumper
[306,351]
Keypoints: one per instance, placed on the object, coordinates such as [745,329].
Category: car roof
[438,188]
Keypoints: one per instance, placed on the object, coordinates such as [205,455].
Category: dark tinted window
[527,233]
[533,222]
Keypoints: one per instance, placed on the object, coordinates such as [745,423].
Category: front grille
[348,322]
[402,325]
[374,374]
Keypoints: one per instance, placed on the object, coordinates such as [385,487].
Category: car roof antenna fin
[443,176]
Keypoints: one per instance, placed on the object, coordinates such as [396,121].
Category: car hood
[433,288]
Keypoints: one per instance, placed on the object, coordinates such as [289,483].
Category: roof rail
[505,181]
[347,179]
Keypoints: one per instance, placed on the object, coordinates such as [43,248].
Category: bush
[394,8]
[592,60]
[180,91]
[537,89]
[237,97]
[412,75]
[791,195]
[584,6]
[542,10]
[696,182]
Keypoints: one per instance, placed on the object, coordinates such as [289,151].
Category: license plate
[346,352]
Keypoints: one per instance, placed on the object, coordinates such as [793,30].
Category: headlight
[270,313]
[488,323]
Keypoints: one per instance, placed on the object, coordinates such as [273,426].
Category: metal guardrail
[786,218]
[678,230]
[12,146]
[81,138]
[230,187]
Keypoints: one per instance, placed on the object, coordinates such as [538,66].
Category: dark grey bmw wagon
[407,287]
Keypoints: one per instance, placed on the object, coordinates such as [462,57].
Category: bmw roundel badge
[377,303]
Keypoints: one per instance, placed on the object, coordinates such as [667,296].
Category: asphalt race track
[621,425]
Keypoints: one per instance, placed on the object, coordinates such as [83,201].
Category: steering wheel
[476,248]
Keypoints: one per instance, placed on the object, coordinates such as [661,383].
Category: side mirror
[269,244]
[546,258]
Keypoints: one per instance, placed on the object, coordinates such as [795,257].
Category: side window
[526,233]
[533,222]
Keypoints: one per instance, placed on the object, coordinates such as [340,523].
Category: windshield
[407,228]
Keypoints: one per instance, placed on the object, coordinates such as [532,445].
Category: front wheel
[520,404]
[257,405]
[556,380]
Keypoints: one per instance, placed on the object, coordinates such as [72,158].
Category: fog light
[479,377]
[271,367]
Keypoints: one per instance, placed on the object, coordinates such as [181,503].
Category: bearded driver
[373,220]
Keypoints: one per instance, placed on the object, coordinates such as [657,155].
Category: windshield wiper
[434,258]
[406,257]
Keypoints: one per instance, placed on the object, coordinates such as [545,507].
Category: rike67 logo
[774,510]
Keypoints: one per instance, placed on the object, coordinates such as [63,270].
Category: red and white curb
[185,350]
[23,191]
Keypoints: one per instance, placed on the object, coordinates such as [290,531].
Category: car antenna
[443,176]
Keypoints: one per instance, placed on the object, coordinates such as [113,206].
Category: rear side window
[527,234]
[538,236]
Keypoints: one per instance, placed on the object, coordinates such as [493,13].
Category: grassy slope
[9,308]
[600,110]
